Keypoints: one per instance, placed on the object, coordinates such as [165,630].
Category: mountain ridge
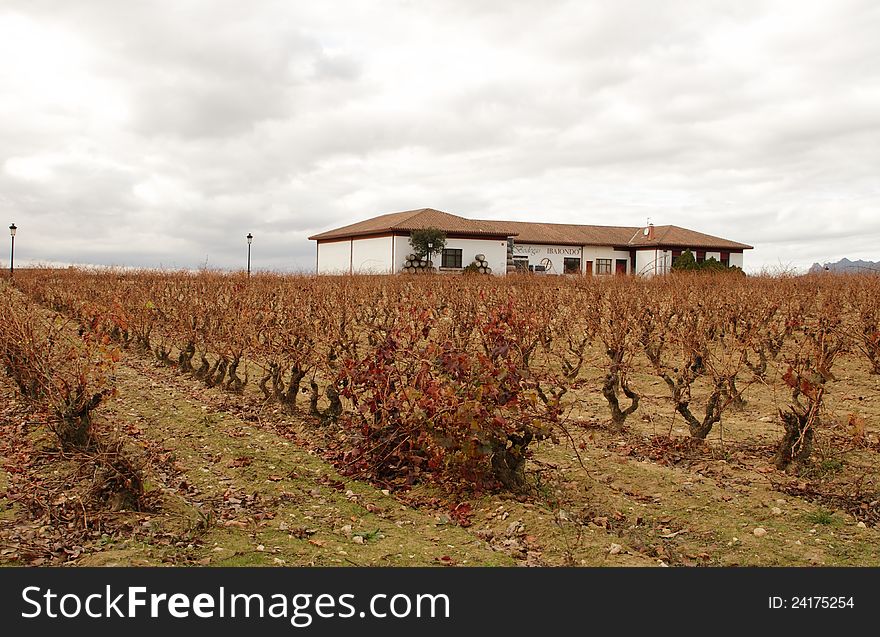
[845,265]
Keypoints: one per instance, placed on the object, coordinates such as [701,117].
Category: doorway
[620,266]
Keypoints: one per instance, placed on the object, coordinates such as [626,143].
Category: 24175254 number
[819,602]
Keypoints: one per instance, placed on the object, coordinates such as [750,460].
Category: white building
[381,245]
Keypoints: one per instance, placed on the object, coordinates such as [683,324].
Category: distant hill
[845,265]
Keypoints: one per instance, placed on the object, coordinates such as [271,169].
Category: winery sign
[536,250]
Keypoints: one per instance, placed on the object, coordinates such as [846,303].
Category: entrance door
[620,266]
[588,268]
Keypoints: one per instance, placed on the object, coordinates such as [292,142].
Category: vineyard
[207,418]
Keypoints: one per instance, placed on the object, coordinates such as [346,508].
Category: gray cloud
[156,133]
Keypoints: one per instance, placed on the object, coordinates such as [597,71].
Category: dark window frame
[604,266]
[575,262]
[451,258]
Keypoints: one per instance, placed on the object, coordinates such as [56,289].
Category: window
[603,266]
[571,265]
[521,264]
[451,258]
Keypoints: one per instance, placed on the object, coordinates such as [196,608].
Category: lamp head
[12,230]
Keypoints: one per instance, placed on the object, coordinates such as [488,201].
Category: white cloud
[161,133]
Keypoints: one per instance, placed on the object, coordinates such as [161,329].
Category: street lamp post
[250,238]
[430,251]
[12,230]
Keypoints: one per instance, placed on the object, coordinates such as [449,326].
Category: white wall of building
[594,253]
[401,249]
[380,255]
[645,260]
[495,251]
[538,254]
[557,254]
[372,255]
[334,257]
[653,261]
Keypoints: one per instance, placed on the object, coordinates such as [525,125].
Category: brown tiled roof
[675,236]
[568,233]
[418,220]
[576,234]
[534,232]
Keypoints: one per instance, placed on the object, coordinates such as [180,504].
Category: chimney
[649,232]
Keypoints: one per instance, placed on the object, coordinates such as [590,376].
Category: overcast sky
[159,133]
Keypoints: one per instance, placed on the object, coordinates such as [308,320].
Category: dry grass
[247,486]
